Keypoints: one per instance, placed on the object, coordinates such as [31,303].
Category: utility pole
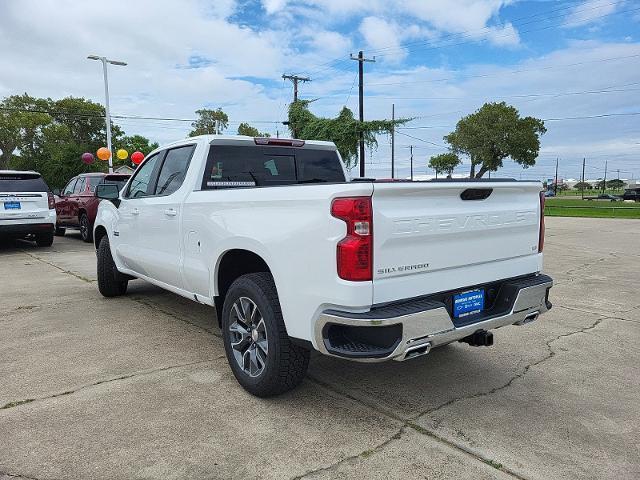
[604,182]
[582,189]
[393,143]
[555,185]
[295,79]
[360,59]
[411,149]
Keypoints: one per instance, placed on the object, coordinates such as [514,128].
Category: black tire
[110,281]
[286,363]
[60,231]
[44,239]
[86,231]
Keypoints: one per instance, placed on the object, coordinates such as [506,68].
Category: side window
[80,184]
[174,169]
[68,190]
[142,182]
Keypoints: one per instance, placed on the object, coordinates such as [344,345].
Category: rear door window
[247,166]
[26,182]
[174,168]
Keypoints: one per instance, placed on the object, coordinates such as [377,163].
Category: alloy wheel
[248,337]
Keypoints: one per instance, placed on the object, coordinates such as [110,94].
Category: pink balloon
[87,158]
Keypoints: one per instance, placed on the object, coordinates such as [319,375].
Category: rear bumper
[410,328]
[26,229]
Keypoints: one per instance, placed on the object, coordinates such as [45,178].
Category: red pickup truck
[77,204]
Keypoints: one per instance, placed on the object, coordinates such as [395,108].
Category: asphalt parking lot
[139,387]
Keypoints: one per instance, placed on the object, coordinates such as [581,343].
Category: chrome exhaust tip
[532,317]
[417,351]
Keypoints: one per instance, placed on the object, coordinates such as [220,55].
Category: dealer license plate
[468,303]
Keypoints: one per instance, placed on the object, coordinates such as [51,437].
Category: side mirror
[108,191]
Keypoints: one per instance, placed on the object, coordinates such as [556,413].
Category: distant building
[124,169]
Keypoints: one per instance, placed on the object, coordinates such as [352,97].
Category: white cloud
[273,6]
[590,11]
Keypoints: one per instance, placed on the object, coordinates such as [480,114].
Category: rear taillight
[541,236]
[354,253]
[51,200]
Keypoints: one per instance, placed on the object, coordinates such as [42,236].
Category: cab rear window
[230,166]
[22,182]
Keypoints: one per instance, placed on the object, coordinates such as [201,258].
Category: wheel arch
[231,265]
[99,232]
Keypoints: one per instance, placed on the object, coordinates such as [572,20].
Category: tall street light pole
[104,61]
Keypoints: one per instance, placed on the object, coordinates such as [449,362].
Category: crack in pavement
[68,272]
[139,373]
[550,354]
[411,421]
[13,476]
[406,423]
[605,317]
[363,454]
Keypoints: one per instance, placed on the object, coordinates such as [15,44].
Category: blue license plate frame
[468,303]
[12,206]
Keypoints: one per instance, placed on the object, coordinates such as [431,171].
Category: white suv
[27,207]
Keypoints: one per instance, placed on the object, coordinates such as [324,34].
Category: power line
[340,60]
[488,75]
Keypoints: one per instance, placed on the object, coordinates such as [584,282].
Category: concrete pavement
[138,386]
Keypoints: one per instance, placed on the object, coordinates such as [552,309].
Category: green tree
[246,129]
[582,186]
[444,163]
[615,184]
[209,122]
[494,132]
[344,130]
[21,123]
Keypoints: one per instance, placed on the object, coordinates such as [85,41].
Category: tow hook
[479,338]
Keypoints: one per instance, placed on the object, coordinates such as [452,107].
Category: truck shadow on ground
[407,389]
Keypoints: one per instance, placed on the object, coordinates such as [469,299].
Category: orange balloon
[103,153]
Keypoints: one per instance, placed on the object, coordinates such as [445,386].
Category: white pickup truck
[295,257]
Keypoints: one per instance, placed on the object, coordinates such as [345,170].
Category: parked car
[294,257]
[549,193]
[77,204]
[28,207]
[632,194]
[608,196]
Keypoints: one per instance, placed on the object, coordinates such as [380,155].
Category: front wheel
[44,239]
[261,355]
[85,228]
[110,281]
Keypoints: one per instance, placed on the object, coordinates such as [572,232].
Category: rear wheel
[60,231]
[261,355]
[110,281]
[85,228]
[44,239]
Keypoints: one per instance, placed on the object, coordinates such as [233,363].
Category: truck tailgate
[436,236]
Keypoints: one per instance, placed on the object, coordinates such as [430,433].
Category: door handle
[170,212]
[135,211]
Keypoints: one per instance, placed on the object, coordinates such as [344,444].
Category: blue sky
[436,60]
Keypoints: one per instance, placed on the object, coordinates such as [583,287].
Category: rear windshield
[25,182]
[115,180]
[263,166]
